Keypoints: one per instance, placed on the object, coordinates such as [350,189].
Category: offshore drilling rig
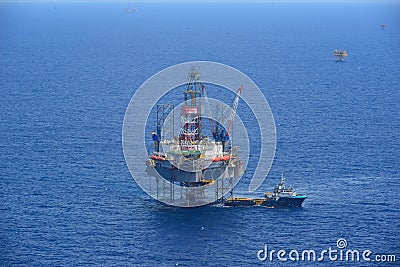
[340,55]
[192,168]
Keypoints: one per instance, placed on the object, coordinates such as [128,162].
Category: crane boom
[233,111]
[208,110]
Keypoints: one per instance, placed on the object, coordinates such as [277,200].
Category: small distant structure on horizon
[383,26]
[130,10]
[340,55]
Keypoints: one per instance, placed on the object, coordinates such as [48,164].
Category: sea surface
[69,70]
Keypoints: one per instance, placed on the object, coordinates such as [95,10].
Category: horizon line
[207,1]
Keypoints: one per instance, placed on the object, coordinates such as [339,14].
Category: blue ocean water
[69,70]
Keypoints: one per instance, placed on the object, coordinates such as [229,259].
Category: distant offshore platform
[340,55]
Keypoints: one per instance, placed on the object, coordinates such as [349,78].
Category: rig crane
[219,133]
[233,111]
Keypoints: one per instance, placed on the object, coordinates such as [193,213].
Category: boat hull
[284,202]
